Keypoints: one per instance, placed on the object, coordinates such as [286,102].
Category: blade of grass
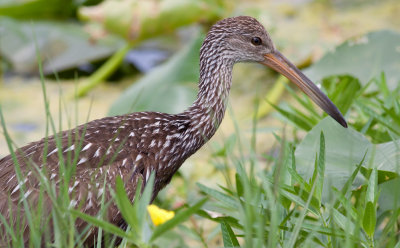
[300,220]
[228,200]
[228,236]
[304,101]
[349,182]
[319,170]
[101,223]
[299,121]
[124,204]
[369,219]
[379,118]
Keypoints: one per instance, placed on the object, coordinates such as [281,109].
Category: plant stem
[104,71]
[273,96]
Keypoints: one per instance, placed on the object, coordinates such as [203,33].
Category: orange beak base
[279,63]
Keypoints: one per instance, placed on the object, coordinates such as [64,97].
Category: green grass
[269,204]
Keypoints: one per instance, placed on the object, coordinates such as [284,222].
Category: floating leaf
[345,149]
[39,9]
[139,20]
[62,45]
[389,197]
[364,57]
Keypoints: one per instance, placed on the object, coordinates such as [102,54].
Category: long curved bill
[279,63]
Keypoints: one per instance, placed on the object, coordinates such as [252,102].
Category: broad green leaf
[389,196]
[387,156]
[170,88]
[139,20]
[363,57]
[344,148]
[228,236]
[179,218]
[39,9]
[63,45]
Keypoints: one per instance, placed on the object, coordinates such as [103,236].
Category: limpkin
[134,145]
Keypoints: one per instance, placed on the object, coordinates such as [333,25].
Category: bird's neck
[209,108]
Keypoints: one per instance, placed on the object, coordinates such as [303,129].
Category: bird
[134,145]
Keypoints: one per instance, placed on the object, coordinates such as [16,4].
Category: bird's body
[134,145]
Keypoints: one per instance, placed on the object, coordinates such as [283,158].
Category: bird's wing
[108,147]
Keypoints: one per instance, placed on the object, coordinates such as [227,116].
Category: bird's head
[244,39]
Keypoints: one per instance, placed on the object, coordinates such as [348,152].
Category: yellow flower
[159,215]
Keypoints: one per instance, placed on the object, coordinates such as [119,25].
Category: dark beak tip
[337,116]
[340,119]
[279,63]
[344,123]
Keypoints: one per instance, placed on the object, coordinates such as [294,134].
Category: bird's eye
[256,41]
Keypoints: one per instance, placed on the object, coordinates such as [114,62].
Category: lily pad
[60,45]
[364,58]
[345,148]
[168,88]
[38,9]
[389,198]
[137,20]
